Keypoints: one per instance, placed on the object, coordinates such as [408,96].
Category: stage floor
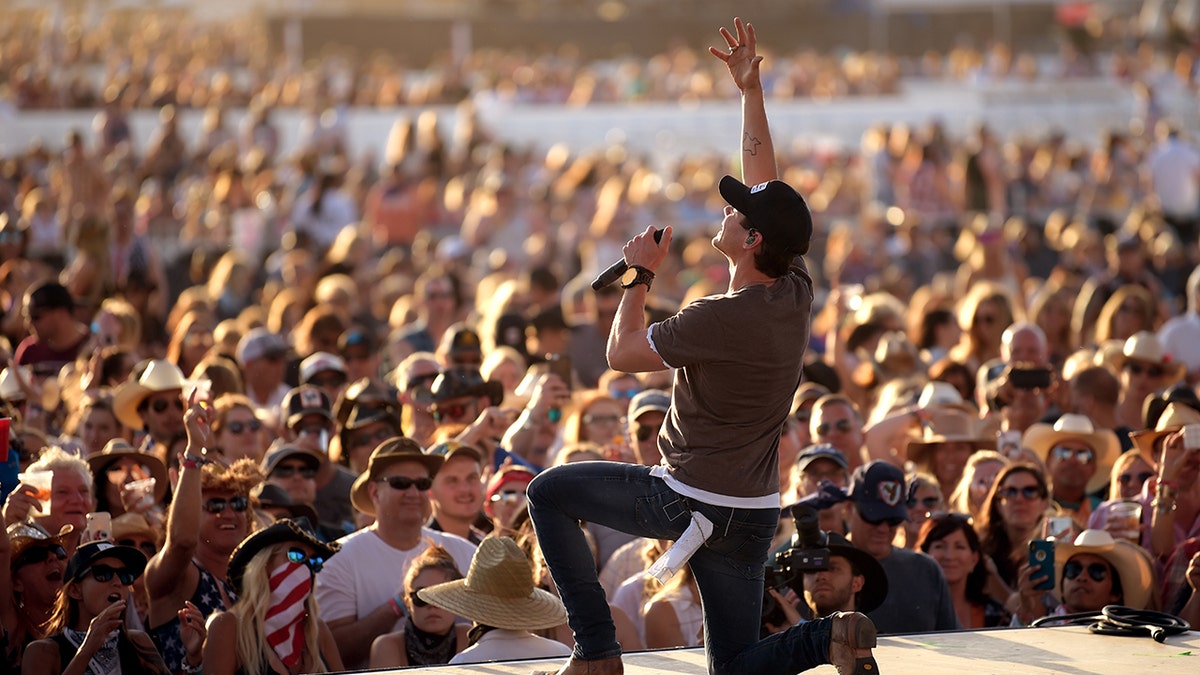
[1072,650]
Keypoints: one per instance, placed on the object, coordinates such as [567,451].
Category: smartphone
[1009,443]
[560,365]
[1041,560]
[1029,378]
[98,527]
[1059,528]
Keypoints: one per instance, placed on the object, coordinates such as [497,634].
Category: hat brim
[134,559]
[1137,575]
[101,461]
[538,611]
[277,533]
[126,400]
[21,543]
[1040,438]
[918,452]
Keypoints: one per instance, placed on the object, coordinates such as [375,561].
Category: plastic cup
[43,483]
[143,491]
[1125,521]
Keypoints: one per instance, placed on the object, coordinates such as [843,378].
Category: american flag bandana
[290,585]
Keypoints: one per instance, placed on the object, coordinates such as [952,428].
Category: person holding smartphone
[738,358]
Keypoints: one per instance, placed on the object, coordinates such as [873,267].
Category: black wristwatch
[636,274]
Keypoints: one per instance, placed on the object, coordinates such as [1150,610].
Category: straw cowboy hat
[937,394]
[389,452]
[1145,347]
[1132,566]
[1173,417]
[24,535]
[946,425]
[1040,438]
[160,375]
[499,591]
[118,448]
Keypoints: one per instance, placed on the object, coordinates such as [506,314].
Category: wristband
[397,606]
[189,668]
[193,461]
[1173,484]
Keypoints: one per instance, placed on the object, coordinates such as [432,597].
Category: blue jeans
[728,568]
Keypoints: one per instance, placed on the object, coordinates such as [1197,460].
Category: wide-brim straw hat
[160,375]
[118,448]
[1145,346]
[1040,438]
[1131,564]
[1173,418]
[499,591]
[947,425]
[387,453]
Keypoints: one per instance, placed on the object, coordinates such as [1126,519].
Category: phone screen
[560,365]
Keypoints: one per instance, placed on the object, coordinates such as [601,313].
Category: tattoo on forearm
[750,145]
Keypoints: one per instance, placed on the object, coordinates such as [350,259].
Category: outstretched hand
[742,57]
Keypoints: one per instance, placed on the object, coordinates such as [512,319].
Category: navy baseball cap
[878,490]
[821,451]
[773,208]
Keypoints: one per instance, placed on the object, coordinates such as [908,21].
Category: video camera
[809,553]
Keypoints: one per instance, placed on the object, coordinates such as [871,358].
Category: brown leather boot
[852,636]
[610,666]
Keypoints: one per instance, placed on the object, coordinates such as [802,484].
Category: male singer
[738,357]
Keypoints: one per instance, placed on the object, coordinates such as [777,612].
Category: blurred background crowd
[324,300]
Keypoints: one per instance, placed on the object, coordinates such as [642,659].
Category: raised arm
[742,59]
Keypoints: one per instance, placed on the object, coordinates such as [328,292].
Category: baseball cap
[463,341]
[305,400]
[260,343]
[821,451]
[773,208]
[319,363]
[356,338]
[877,489]
[50,295]
[281,450]
[647,401]
[461,381]
[86,555]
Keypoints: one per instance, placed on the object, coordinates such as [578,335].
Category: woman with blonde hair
[599,418]
[1129,310]
[275,625]
[978,477]
[191,341]
[984,313]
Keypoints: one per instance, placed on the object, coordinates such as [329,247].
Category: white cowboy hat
[946,425]
[1172,419]
[1131,564]
[160,375]
[499,591]
[10,389]
[1040,438]
[935,394]
[1145,346]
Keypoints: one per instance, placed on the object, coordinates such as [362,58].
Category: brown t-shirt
[739,358]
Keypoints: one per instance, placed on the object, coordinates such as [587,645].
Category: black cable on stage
[1121,620]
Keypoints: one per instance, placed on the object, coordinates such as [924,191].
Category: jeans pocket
[663,516]
[745,547]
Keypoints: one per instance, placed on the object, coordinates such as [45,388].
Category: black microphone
[618,268]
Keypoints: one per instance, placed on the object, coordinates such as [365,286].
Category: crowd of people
[312,392]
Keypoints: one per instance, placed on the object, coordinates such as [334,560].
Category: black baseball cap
[773,208]
[878,489]
[50,295]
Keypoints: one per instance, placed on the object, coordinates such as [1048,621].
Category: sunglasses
[329,381]
[841,425]
[891,522]
[315,563]
[160,405]
[288,471]
[312,430]
[373,439]
[1097,571]
[104,574]
[1142,477]
[508,496]
[146,547]
[237,428]
[453,411]
[404,482]
[928,502]
[1136,368]
[1027,492]
[623,394]
[119,474]
[645,433]
[40,554]
[1081,455]
[217,504]
[602,419]
[416,601]
[421,380]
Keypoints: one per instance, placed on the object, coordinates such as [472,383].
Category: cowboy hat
[1040,438]
[498,591]
[118,448]
[1132,566]
[1145,347]
[160,375]
[875,583]
[946,425]
[25,535]
[1173,417]
[389,452]
[279,532]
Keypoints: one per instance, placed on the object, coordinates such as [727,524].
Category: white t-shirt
[1180,336]
[367,572]
[508,645]
[1173,166]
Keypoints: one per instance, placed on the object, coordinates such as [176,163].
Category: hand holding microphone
[641,252]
